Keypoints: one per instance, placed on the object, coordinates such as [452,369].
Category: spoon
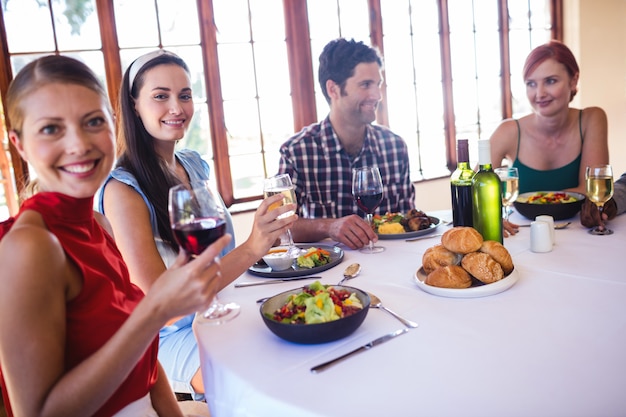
[351,272]
[557,226]
[376,303]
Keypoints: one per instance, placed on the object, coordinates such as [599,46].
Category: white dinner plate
[434,224]
[472,292]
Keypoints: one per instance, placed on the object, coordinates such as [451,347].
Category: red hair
[557,51]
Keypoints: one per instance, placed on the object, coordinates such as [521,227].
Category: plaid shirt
[322,170]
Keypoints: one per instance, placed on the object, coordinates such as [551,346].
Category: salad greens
[313,257]
[317,303]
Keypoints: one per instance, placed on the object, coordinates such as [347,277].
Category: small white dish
[471,292]
[278,259]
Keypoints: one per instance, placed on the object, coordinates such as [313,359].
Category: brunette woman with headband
[155,110]
[77,338]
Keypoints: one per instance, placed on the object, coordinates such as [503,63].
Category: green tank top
[531,179]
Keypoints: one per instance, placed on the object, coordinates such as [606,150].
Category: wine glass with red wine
[198,219]
[367,190]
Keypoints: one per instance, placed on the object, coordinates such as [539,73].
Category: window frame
[301,77]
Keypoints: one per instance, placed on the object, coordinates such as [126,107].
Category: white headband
[139,63]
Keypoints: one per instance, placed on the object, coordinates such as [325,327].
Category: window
[452,67]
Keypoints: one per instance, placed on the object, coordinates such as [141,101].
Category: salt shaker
[540,237]
[550,221]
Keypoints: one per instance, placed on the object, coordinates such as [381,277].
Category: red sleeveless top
[106,299]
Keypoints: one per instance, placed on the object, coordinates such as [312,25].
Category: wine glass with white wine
[510,187]
[599,186]
[281,184]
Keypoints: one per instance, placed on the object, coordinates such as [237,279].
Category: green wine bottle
[487,196]
[461,187]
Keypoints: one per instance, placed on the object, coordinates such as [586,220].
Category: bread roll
[437,256]
[499,254]
[482,267]
[462,240]
[451,276]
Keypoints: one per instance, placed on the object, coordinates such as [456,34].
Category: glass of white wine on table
[599,189]
[281,184]
[367,190]
[198,219]
[510,188]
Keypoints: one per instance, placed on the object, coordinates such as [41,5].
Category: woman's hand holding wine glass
[599,187]
[198,219]
[281,184]
[367,190]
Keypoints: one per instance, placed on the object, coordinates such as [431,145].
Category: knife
[423,237]
[375,342]
[274,281]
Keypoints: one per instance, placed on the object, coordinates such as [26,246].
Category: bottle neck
[486,167]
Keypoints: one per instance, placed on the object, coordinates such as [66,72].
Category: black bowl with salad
[316,313]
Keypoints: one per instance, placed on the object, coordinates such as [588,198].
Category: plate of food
[464,265]
[403,226]
[312,260]
[477,288]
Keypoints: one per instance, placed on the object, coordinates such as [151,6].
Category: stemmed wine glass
[599,186]
[367,190]
[510,187]
[281,184]
[198,219]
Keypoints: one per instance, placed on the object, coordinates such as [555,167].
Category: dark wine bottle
[461,187]
[487,196]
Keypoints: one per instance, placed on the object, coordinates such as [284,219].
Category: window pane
[267,20]
[20,17]
[413,77]
[179,22]
[247,172]
[76,25]
[530,27]
[231,20]
[236,71]
[134,32]
[242,123]
[331,19]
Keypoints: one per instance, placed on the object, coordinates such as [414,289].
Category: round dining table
[551,344]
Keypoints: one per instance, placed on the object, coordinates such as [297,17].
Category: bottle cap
[462,150]
[484,152]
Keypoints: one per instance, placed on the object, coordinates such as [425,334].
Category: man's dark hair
[340,57]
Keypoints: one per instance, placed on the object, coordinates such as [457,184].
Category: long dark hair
[135,146]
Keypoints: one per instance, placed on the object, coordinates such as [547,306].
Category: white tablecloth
[554,344]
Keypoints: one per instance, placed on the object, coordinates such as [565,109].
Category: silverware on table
[273,281]
[376,303]
[375,342]
[423,237]
[557,226]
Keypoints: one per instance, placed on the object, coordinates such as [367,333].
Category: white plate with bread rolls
[464,265]
[476,290]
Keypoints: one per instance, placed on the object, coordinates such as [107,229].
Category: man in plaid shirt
[320,158]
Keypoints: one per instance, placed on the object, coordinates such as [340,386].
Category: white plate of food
[426,224]
[478,289]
